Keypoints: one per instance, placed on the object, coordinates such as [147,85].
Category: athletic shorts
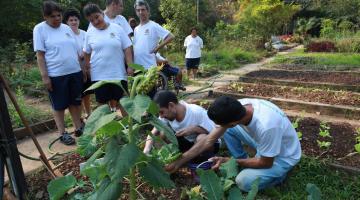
[66,90]
[170,71]
[192,63]
[109,92]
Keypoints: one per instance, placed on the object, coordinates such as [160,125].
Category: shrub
[348,45]
[321,46]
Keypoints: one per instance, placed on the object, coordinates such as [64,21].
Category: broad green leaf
[95,171]
[103,121]
[153,108]
[229,169]
[101,83]
[227,184]
[169,133]
[235,194]
[154,174]
[57,188]
[107,189]
[119,159]
[254,190]
[110,129]
[136,107]
[93,158]
[86,145]
[137,67]
[210,183]
[94,117]
[313,191]
[357,148]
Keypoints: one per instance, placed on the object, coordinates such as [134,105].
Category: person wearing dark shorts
[57,59]
[106,48]
[193,44]
[169,71]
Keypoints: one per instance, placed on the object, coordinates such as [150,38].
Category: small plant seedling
[295,124]
[324,130]
[237,87]
[323,144]
[357,145]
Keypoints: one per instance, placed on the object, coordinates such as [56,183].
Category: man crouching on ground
[261,125]
[189,121]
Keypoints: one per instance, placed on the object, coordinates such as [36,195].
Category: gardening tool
[44,160]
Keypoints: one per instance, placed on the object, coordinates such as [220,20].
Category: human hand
[130,71]
[173,167]
[47,83]
[218,161]
[185,132]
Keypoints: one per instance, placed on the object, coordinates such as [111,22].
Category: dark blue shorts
[169,70]
[109,92]
[192,63]
[66,90]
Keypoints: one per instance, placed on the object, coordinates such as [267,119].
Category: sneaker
[66,139]
[180,86]
[79,132]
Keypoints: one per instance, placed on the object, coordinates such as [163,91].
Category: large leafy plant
[114,147]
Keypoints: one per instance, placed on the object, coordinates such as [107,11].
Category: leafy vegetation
[357,145]
[324,133]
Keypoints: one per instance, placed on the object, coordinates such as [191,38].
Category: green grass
[31,113]
[320,61]
[332,183]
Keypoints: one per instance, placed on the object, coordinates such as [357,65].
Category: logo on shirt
[68,35]
[112,35]
[147,32]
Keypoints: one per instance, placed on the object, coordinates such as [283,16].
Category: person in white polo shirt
[58,61]
[106,47]
[112,14]
[258,123]
[193,44]
[147,36]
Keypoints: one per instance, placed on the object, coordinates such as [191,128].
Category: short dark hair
[91,8]
[71,12]
[193,28]
[225,110]
[50,6]
[142,3]
[109,2]
[164,97]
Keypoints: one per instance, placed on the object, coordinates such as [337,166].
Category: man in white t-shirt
[147,36]
[261,125]
[189,121]
[112,14]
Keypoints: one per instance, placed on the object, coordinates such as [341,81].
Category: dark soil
[309,76]
[342,141]
[37,182]
[298,93]
[314,67]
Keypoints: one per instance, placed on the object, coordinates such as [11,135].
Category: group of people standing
[70,59]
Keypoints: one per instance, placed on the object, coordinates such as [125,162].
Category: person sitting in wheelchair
[169,71]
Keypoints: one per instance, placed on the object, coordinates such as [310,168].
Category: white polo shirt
[107,52]
[59,45]
[193,46]
[146,38]
[119,20]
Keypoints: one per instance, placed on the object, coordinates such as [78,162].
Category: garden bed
[289,66]
[343,78]
[300,93]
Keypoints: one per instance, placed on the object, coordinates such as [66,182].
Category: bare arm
[129,59]
[259,163]
[149,141]
[166,41]
[40,57]
[199,147]
[192,130]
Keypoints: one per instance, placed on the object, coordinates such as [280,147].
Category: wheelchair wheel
[162,83]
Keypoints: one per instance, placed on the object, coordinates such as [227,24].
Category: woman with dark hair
[57,58]
[106,47]
[72,18]
[193,44]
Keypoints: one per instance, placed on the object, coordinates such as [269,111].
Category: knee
[244,181]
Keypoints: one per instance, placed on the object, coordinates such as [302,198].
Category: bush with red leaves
[321,46]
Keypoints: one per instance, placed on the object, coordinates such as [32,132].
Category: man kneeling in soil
[259,124]
[189,121]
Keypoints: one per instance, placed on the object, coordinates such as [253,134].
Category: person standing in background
[193,44]
[58,62]
[72,19]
